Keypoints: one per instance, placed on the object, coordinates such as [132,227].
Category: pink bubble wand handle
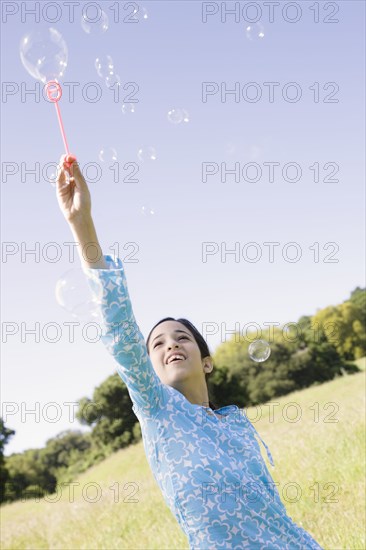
[62,128]
[52,88]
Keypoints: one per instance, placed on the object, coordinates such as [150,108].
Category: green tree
[343,327]
[5,435]
[109,413]
[64,450]
[358,298]
[27,470]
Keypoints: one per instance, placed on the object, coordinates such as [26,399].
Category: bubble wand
[54,93]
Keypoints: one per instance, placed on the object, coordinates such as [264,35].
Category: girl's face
[173,338]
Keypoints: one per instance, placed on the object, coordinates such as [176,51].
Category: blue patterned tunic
[209,469]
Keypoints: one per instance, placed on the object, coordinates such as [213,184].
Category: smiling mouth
[175,361]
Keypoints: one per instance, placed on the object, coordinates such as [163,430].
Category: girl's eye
[180,338]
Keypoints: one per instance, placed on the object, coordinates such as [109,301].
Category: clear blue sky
[169,55]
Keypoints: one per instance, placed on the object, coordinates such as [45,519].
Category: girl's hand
[72,191]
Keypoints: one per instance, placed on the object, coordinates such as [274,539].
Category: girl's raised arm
[120,332]
[75,204]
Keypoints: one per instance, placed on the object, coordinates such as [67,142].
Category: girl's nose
[173,345]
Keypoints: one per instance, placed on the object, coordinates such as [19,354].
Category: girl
[206,461]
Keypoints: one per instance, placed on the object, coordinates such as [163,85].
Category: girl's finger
[61,176]
[68,162]
[61,179]
[78,177]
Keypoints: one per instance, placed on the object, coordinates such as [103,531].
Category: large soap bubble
[74,294]
[44,54]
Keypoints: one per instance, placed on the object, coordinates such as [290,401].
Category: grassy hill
[316,437]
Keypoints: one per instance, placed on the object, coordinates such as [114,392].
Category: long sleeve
[123,339]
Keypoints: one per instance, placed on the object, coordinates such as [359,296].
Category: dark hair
[201,342]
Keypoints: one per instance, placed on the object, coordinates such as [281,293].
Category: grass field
[317,439]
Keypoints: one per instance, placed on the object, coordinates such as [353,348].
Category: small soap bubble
[44,54]
[112,79]
[128,108]
[74,294]
[143,14]
[107,154]
[254,31]
[104,65]
[94,20]
[175,116]
[259,350]
[147,211]
[146,154]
